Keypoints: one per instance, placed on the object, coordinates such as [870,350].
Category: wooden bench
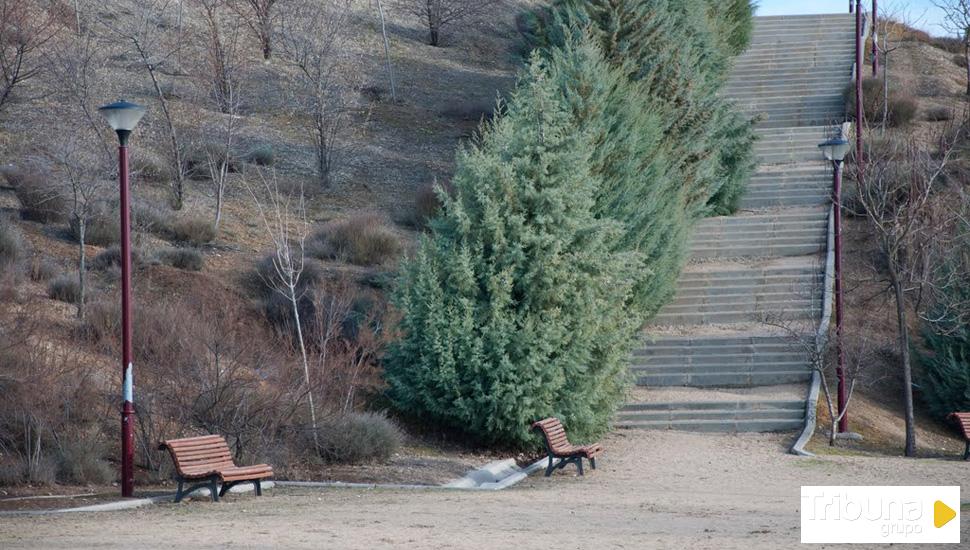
[206,461]
[558,446]
[963,421]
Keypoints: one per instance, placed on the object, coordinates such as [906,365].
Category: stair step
[714,414]
[716,426]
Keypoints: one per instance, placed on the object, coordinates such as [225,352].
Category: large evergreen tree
[513,306]
[680,51]
[638,186]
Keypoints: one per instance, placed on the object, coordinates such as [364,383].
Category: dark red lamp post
[834,151]
[123,117]
[875,39]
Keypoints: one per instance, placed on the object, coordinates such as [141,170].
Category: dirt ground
[723,491]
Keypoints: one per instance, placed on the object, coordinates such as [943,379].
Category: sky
[921,13]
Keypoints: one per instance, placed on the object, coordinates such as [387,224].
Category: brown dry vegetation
[203,334]
[922,69]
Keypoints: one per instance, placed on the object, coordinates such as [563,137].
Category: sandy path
[721,492]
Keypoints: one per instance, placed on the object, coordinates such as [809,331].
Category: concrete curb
[132,503]
[493,476]
[811,402]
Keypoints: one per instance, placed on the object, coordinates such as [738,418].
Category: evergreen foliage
[513,305]
[568,222]
[638,186]
[946,371]
[679,50]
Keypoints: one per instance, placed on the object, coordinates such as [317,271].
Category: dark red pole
[875,39]
[128,409]
[858,87]
[839,306]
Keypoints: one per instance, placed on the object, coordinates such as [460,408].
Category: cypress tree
[671,48]
[639,187]
[946,370]
[513,306]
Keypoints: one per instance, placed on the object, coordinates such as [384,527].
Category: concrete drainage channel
[493,476]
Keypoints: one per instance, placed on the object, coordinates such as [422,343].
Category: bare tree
[284,218]
[441,14]
[144,33]
[315,41]
[890,24]
[25,27]
[261,17]
[221,77]
[901,177]
[956,21]
[387,51]
[818,347]
[82,170]
[75,69]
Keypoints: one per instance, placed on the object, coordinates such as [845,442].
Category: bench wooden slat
[558,446]
[209,457]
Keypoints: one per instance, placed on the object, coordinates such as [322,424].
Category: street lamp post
[123,117]
[834,151]
[875,38]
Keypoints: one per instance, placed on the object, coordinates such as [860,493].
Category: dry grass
[362,239]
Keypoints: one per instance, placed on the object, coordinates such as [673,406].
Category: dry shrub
[262,155]
[199,160]
[40,200]
[51,411]
[930,87]
[205,366]
[276,307]
[426,205]
[193,230]
[149,166]
[362,239]
[470,111]
[151,218]
[65,288]
[902,110]
[43,269]
[960,60]
[939,114]
[11,246]
[102,228]
[902,107]
[947,43]
[359,437]
[110,258]
[188,259]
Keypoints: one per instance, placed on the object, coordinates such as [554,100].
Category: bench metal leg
[549,468]
[592,463]
[579,464]
[229,485]
[211,483]
[966,453]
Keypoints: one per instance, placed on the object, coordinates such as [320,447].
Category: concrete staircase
[709,360]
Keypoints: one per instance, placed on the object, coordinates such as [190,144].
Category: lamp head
[835,149]
[122,116]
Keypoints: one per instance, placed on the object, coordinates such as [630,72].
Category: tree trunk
[306,366]
[81,266]
[179,184]
[885,90]
[966,56]
[387,52]
[907,363]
